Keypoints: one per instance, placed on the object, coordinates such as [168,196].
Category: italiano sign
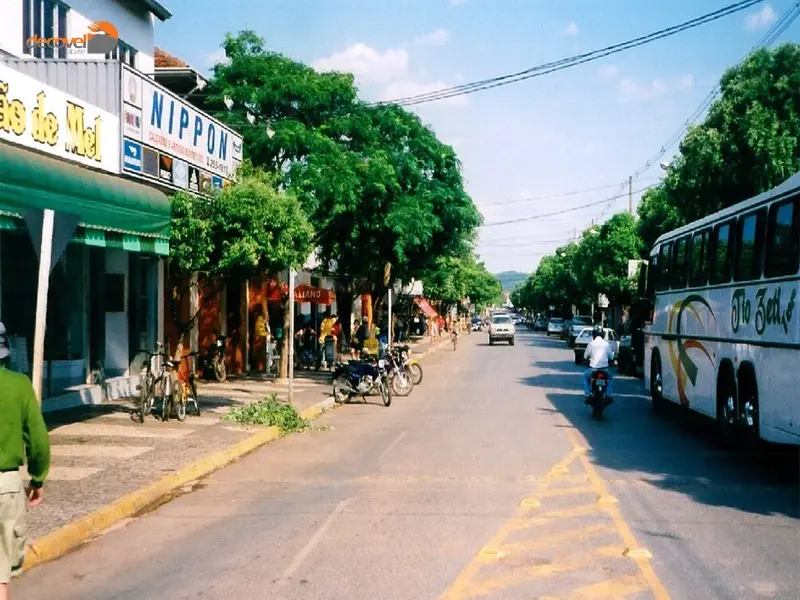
[40,117]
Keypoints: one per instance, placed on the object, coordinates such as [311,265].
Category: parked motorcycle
[214,360]
[362,377]
[399,378]
[599,399]
[411,365]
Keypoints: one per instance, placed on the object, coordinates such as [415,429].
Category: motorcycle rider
[599,354]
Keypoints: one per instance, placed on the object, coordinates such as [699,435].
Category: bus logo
[683,365]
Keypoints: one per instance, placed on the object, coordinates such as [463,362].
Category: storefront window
[64,338]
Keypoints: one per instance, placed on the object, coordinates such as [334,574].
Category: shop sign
[43,118]
[192,151]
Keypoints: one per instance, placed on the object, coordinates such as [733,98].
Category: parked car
[540,324]
[501,328]
[555,326]
[585,336]
[631,349]
[576,326]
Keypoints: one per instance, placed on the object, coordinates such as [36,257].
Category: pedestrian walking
[22,429]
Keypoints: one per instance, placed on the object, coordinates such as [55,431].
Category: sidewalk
[101,452]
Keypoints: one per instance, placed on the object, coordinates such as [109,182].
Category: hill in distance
[510,279]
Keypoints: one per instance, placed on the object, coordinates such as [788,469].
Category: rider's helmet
[597,331]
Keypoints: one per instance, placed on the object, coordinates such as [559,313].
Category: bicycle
[184,387]
[149,380]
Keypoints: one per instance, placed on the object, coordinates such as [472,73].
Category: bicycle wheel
[145,398]
[165,392]
[179,402]
[193,391]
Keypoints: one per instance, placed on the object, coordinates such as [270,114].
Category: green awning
[103,203]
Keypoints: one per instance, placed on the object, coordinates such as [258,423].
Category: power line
[777,29]
[572,61]
[552,196]
[555,213]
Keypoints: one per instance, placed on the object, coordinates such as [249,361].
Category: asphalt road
[490,480]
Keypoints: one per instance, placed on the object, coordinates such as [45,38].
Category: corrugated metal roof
[97,82]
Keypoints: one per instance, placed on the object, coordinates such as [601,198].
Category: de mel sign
[43,118]
[166,139]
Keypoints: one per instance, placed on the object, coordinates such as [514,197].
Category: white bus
[724,334]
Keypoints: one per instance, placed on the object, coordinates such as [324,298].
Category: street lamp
[664,166]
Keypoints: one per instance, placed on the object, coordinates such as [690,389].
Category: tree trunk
[287,320]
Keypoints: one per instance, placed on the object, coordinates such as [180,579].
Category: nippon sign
[156,118]
[43,118]
[101,37]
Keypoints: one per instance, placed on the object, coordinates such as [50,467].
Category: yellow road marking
[468,585]
[646,569]
[611,589]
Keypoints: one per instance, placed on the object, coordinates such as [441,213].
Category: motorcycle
[411,365]
[599,400]
[214,360]
[361,377]
[399,378]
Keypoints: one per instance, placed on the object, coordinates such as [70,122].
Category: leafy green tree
[601,259]
[748,143]
[249,227]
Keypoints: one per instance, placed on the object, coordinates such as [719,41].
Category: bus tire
[656,383]
[748,405]
[727,406]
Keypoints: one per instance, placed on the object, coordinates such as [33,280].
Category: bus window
[783,239]
[679,255]
[720,249]
[749,249]
[664,257]
[698,274]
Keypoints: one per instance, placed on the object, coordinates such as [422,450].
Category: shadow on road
[674,450]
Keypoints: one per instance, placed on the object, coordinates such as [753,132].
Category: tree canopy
[748,143]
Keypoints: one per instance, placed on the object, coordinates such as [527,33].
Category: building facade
[63,192]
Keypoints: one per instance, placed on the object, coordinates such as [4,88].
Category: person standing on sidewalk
[21,427]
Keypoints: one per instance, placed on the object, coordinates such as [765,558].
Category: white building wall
[135,28]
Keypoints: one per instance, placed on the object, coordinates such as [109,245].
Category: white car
[501,328]
[555,326]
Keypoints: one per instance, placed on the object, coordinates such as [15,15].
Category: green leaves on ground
[269,412]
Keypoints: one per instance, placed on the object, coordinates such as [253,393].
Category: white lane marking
[391,446]
[118,431]
[313,542]
[99,450]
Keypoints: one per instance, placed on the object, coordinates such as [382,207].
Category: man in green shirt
[22,434]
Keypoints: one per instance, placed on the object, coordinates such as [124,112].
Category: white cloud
[608,72]
[571,29]
[631,91]
[387,75]
[406,88]
[367,64]
[435,38]
[217,56]
[762,18]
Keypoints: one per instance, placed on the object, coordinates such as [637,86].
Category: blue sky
[583,128]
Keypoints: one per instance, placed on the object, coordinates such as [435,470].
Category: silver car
[555,326]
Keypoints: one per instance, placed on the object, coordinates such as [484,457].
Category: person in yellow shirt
[326,328]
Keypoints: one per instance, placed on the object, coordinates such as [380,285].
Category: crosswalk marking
[119,431]
[98,450]
[59,473]
[190,420]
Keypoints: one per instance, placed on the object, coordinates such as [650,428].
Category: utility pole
[630,194]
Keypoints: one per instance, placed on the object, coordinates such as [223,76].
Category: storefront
[107,237]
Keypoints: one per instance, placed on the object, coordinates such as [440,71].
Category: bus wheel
[748,410]
[656,383]
[727,411]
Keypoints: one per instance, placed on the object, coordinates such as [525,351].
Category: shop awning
[113,212]
[426,307]
[314,295]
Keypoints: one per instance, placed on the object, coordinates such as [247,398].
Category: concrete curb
[67,538]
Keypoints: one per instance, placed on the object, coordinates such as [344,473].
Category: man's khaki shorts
[12,524]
